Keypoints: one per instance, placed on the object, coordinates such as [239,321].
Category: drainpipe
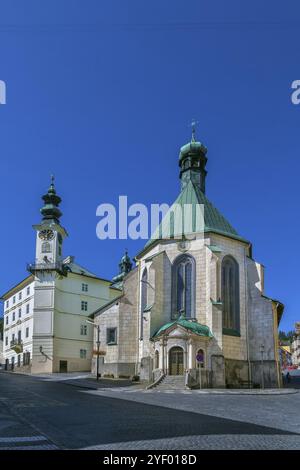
[247,319]
[275,324]
[138,319]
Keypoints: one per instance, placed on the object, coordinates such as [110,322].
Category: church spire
[125,266]
[50,211]
[192,162]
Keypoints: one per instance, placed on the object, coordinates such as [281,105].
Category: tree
[286,336]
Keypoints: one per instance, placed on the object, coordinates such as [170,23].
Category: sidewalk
[81,379]
[266,391]
[88,381]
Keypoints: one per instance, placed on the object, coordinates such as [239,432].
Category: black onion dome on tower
[192,162]
[50,211]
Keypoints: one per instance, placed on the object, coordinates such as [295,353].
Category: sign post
[200,360]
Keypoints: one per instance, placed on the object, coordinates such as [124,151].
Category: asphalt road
[40,414]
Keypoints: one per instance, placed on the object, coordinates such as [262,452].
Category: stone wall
[236,372]
[119,359]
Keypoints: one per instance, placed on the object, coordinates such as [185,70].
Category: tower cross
[193,126]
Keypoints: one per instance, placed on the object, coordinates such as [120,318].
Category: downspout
[247,319]
[138,319]
[276,341]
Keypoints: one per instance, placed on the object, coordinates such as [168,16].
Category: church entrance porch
[176,361]
[182,348]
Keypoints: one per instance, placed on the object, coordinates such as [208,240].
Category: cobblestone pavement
[15,432]
[210,442]
[277,411]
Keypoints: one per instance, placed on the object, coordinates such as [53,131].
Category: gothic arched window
[183,287]
[230,294]
[46,247]
[144,297]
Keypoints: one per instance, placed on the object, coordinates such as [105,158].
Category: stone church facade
[194,306]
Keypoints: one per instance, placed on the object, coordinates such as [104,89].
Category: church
[193,311]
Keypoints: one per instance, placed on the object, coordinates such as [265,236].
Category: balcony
[48,267]
[16,345]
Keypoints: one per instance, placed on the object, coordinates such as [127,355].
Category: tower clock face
[46,235]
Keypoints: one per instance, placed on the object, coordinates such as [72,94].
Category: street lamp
[98,346]
[262,348]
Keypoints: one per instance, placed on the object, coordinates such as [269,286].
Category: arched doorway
[176,361]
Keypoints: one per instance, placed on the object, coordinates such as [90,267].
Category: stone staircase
[171,382]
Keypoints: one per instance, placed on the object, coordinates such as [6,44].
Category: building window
[14,316]
[28,291]
[183,287]
[230,295]
[156,362]
[84,306]
[27,308]
[19,336]
[6,340]
[46,247]
[7,304]
[111,336]
[144,298]
[13,337]
[20,313]
[83,329]
[84,287]
[82,353]
[7,319]
[14,299]
[27,332]
[20,295]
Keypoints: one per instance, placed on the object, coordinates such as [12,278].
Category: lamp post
[262,348]
[98,346]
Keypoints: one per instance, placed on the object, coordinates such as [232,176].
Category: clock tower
[50,234]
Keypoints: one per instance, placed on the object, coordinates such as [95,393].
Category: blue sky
[100,93]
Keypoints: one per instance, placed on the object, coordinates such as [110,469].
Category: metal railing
[16,345]
[16,342]
[46,266]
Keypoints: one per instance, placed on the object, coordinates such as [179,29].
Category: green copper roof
[192,147]
[193,326]
[214,221]
[50,210]
[125,267]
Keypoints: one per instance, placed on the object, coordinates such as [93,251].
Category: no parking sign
[200,357]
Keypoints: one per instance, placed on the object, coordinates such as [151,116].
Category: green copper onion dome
[192,162]
[125,267]
[50,211]
[193,148]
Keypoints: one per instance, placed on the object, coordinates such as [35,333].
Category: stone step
[171,382]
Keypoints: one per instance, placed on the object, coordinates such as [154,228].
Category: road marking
[23,439]
[41,447]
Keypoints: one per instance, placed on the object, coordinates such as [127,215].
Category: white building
[1,353]
[45,328]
